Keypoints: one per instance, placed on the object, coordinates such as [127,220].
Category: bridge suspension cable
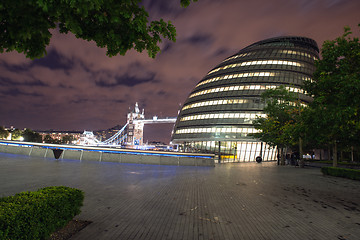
[115,137]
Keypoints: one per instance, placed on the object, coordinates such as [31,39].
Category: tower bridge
[131,134]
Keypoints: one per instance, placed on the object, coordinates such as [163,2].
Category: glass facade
[217,115]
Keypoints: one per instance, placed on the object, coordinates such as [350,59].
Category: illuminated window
[291,52]
[216,130]
[241,75]
[214,102]
[237,56]
[244,87]
[247,116]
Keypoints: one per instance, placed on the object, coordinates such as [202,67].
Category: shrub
[342,172]
[35,215]
[331,162]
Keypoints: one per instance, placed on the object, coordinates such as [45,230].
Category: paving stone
[230,201]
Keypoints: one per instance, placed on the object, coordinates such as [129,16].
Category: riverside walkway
[228,201]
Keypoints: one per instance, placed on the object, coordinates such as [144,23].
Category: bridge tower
[135,135]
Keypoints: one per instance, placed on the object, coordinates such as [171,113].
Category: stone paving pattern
[229,201]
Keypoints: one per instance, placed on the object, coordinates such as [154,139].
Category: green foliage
[16,134]
[341,172]
[31,136]
[67,139]
[348,164]
[333,118]
[185,3]
[35,215]
[3,133]
[282,111]
[116,25]
[48,139]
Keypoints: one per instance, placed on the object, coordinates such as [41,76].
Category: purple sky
[77,87]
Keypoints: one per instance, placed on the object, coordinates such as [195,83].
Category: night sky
[77,87]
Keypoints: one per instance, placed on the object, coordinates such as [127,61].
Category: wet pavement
[229,201]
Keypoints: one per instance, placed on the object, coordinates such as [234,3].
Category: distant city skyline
[76,87]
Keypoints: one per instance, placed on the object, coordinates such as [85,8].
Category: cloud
[11,82]
[124,80]
[200,39]
[53,61]
[17,92]
[76,86]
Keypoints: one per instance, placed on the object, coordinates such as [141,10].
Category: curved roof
[302,41]
[224,103]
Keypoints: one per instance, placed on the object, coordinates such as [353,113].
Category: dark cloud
[14,67]
[92,91]
[15,92]
[79,101]
[62,85]
[30,82]
[337,3]
[168,46]
[125,80]
[118,101]
[163,7]
[53,60]
[200,39]
[224,51]
[306,5]
[161,93]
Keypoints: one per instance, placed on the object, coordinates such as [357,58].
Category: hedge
[341,172]
[35,215]
[331,162]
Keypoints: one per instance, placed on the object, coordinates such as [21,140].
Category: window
[247,116]
[240,75]
[215,130]
[243,87]
[248,63]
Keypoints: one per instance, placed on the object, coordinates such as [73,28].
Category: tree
[278,128]
[3,133]
[67,139]
[48,139]
[117,25]
[334,115]
[16,134]
[31,136]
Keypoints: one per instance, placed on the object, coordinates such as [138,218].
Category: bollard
[258,159]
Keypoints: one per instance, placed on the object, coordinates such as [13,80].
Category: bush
[35,215]
[341,172]
[331,162]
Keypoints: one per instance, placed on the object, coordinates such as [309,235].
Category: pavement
[228,201]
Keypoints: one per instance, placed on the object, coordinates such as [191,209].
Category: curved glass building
[217,115]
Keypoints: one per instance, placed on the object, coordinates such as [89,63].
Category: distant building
[58,135]
[218,114]
[87,138]
[103,135]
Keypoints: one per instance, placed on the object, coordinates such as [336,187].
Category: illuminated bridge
[131,134]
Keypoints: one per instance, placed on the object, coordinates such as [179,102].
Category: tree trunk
[335,154]
[282,156]
[352,153]
[341,156]
[301,153]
